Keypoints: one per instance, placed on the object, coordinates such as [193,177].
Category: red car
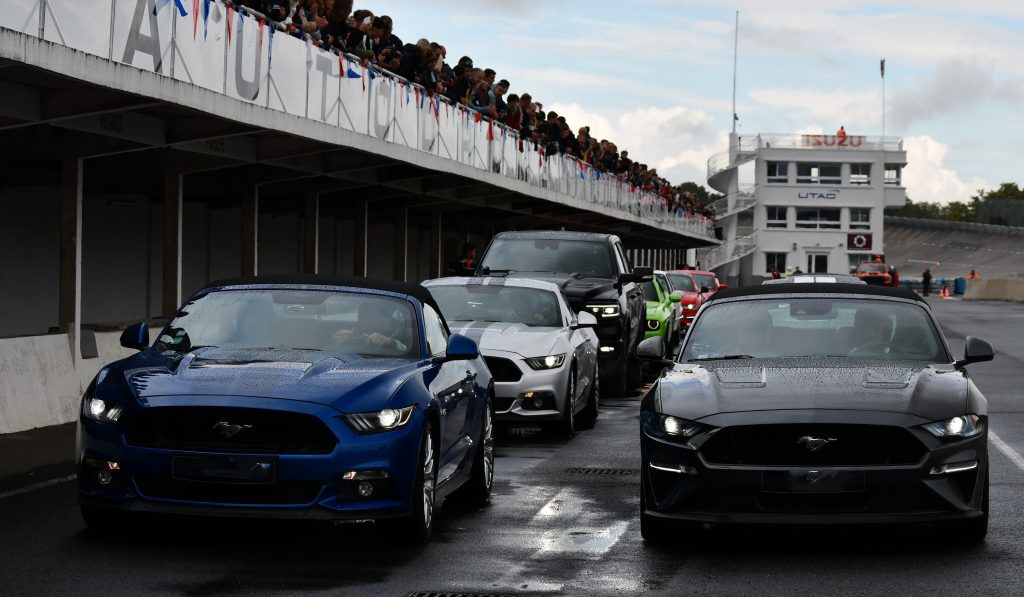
[690,282]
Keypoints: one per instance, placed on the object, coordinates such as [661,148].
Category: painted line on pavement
[1005,448]
[35,486]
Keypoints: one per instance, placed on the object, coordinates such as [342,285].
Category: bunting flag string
[262,25]
[206,16]
[177,4]
[231,16]
[371,76]
[490,130]
[363,81]
[437,108]
[408,93]
[195,17]
[270,42]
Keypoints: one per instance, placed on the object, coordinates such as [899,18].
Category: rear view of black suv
[595,276]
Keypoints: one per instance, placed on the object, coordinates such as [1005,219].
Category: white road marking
[35,486]
[1005,448]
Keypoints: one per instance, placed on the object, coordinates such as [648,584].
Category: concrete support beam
[360,213]
[70,284]
[401,252]
[173,209]
[250,230]
[436,243]
[311,233]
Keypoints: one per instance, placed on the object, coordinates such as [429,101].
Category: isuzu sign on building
[832,140]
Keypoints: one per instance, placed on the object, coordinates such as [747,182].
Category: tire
[567,426]
[104,521]
[973,530]
[418,526]
[588,416]
[477,491]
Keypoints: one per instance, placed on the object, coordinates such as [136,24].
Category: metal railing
[238,53]
[739,201]
[731,251]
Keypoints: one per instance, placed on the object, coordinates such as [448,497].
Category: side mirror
[461,348]
[676,297]
[652,350]
[643,273]
[136,336]
[585,320]
[704,290]
[976,350]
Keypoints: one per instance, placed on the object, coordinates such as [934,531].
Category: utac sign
[832,140]
[860,241]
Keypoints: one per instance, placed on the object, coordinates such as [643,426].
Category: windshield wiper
[727,357]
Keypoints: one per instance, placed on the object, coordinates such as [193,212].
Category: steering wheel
[869,348]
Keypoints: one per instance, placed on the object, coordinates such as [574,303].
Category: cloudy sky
[655,76]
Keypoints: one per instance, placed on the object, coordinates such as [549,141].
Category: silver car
[539,352]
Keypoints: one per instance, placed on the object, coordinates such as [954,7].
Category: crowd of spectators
[334,24]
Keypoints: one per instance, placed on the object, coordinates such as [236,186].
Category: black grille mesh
[783,445]
[503,369]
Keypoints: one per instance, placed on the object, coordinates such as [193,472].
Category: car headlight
[959,427]
[385,420]
[653,324]
[680,428]
[690,307]
[101,410]
[605,310]
[552,361]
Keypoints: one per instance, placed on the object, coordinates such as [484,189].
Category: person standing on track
[926,281]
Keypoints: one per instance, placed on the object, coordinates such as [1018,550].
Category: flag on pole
[231,16]
[883,67]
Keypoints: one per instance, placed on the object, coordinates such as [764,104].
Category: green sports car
[662,309]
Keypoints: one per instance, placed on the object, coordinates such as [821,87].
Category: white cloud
[847,108]
[926,176]
[676,140]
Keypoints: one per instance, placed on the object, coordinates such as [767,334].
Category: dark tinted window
[705,280]
[650,292]
[508,304]
[590,258]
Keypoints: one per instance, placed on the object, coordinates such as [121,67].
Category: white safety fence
[241,55]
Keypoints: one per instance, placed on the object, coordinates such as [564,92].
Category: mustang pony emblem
[814,443]
[229,430]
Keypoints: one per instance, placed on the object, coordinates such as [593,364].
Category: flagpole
[883,99]
[735,53]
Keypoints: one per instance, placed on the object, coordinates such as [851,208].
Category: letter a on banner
[137,42]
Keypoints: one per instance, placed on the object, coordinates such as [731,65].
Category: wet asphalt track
[549,530]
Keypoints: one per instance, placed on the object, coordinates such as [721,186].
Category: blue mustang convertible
[290,397]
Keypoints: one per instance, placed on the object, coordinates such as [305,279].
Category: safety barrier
[239,54]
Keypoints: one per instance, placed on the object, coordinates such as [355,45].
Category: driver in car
[872,333]
[375,328]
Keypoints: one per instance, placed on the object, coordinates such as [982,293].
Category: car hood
[578,290]
[932,392]
[345,381]
[521,339]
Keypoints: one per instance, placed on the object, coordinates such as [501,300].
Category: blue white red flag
[177,3]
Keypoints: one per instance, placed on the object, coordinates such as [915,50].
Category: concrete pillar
[311,233]
[401,252]
[250,231]
[173,209]
[70,284]
[362,225]
[436,244]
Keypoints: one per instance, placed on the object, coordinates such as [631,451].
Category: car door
[635,305]
[453,388]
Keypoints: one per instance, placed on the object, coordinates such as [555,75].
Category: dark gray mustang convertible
[827,403]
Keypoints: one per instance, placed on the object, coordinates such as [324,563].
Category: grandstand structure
[953,249]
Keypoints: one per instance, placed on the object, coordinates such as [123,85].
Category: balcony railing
[742,200]
[239,54]
[732,250]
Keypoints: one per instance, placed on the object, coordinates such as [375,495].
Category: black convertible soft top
[414,290]
[770,289]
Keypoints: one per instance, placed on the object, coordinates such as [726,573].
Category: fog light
[538,402]
[607,349]
[104,477]
[956,467]
[365,489]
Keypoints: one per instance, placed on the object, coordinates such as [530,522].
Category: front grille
[879,499]
[503,369]
[284,492]
[203,428]
[503,404]
[781,445]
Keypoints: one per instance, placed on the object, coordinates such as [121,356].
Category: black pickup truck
[596,276]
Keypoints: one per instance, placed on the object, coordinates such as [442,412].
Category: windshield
[873,268]
[324,320]
[705,280]
[590,258]
[650,292]
[682,282]
[815,327]
[507,304]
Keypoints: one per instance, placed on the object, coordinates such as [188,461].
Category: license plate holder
[813,481]
[251,470]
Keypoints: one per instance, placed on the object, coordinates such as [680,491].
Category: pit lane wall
[996,289]
[235,54]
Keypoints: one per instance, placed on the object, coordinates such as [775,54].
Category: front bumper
[510,395]
[304,485]
[699,491]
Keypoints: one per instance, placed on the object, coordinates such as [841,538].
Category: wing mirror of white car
[585,320]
